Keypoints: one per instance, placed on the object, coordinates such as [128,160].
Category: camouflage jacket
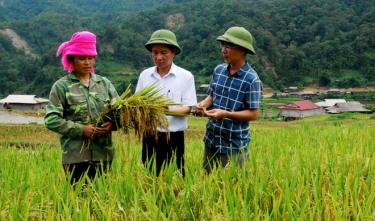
[73,105]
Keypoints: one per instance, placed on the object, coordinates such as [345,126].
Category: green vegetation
[321,170]
[298,42]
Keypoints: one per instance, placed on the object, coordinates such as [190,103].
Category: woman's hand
[91,131]
[105,129]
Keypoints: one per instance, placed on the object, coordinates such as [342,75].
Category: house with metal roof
[300,109]
[330,102]
[333,91]
[352,106]
[23,102]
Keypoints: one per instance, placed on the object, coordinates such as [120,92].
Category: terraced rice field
[318,169]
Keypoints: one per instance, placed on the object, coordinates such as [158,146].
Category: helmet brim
[149,44]
[230,39]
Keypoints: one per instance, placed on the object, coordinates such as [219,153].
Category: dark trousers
[212,158]
[92,168]
[162,150]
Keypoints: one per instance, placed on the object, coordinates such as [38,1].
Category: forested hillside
[11,10]
[298,42]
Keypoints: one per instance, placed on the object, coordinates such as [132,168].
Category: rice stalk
[144,111]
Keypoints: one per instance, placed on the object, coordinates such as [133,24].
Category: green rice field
[315,169]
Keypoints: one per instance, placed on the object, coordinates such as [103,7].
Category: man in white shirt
[177,84]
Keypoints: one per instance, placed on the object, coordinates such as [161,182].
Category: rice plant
[144,111]
[322,170]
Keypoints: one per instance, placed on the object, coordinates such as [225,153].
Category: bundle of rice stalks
[143,111]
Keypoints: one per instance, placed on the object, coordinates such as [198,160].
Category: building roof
[307,93]
[352,106]
[333,90]
[330,102]
[300,105]
[23,99]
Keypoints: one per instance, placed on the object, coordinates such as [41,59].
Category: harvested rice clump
[143,111]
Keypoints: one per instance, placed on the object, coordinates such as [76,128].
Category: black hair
[172,48]
[70,58]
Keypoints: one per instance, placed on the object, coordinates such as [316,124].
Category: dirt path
[268,92]
[14,118]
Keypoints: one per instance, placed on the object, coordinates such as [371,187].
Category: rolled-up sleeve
[210,87]
[254,95]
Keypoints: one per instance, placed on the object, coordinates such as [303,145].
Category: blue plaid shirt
[232,93]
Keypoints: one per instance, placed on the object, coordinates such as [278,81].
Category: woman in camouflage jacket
[76,102]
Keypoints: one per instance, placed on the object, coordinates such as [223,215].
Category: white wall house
[300,109]
[23,102]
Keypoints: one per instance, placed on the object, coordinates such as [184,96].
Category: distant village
[304,107]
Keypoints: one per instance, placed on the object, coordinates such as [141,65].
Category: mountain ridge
[17,41]
[298,42]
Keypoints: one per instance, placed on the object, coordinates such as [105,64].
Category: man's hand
[203,106]
[200,110]
[216,114]
[243,115]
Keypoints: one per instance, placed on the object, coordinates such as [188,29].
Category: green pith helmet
[163,36]
[238,36]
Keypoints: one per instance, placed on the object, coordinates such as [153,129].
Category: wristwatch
[193,110]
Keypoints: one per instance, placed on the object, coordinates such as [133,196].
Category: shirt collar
[172,71]
[242,70]
[93,77]
[245,68]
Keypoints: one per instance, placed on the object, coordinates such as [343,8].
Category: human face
[232,53]
[83,65]
[162,56]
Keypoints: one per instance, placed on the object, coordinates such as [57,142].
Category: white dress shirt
[178,85]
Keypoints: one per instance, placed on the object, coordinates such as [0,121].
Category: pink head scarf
[81,43]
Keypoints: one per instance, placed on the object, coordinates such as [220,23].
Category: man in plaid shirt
[233,100]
